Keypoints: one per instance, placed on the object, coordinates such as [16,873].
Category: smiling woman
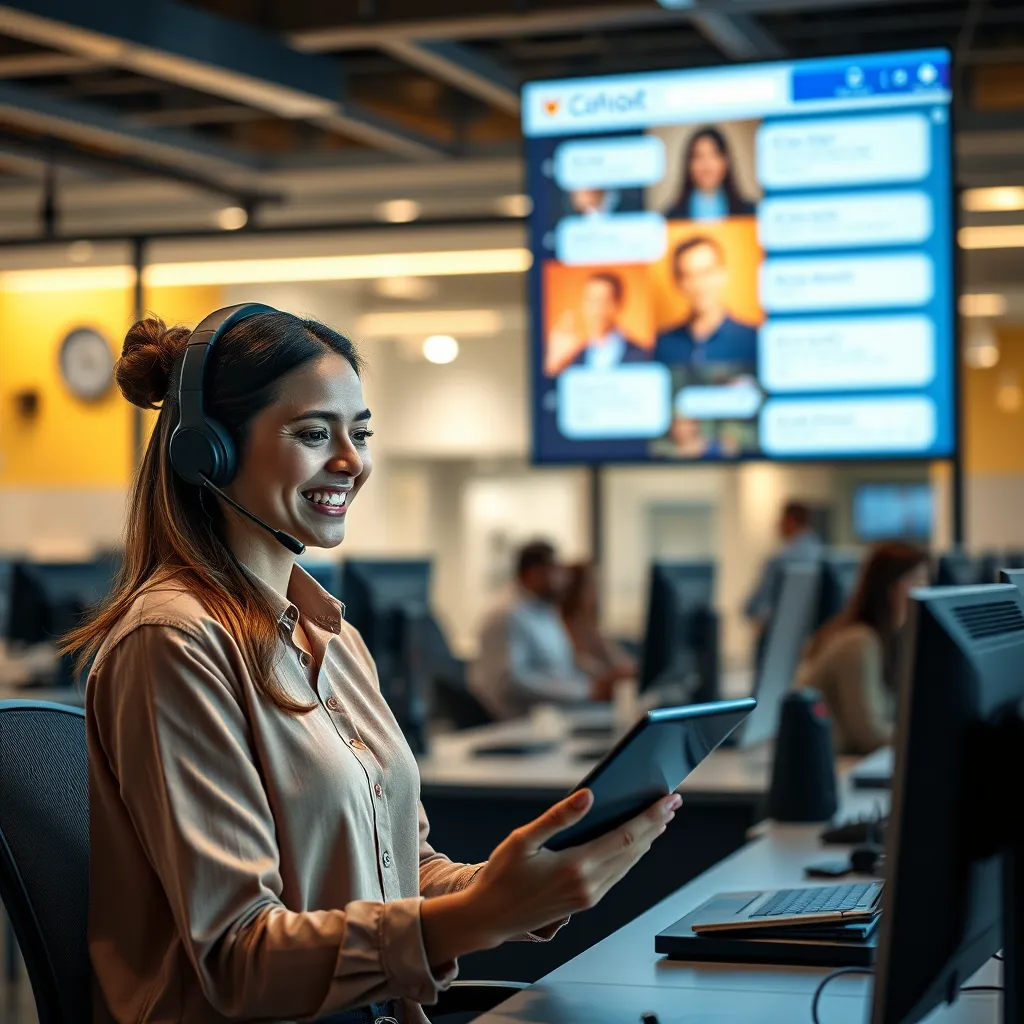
[249,785]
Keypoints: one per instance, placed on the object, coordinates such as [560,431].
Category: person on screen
[852,659]
[526,654]
[709,334]
[709,189]
[587,201]
[606,345]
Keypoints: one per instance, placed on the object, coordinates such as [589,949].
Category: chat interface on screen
[744,262]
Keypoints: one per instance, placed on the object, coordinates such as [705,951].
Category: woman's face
[708,165]
[917,577]
[306,455]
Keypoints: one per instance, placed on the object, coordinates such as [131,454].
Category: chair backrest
[44,852]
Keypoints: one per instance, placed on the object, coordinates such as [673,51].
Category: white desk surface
[451,764]
[622,977]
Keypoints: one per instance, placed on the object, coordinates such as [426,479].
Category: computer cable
[870,970]
[829,978]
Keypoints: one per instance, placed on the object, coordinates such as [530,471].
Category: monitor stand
[995,755]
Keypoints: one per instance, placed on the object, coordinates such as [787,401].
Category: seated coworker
[526,654]
[258,850]
[852,659]
[595,652]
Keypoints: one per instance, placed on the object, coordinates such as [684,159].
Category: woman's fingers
[637,830]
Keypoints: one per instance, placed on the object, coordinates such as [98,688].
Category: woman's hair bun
[151,349]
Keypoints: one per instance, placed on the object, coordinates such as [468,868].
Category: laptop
[813,905]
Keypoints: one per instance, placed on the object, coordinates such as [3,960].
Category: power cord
[829,978]
[870,970]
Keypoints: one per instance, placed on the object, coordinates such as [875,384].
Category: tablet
[650,762]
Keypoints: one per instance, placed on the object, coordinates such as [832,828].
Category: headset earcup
[224,454]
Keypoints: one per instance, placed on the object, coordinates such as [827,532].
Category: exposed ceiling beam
[96,128]
[38,65]
[57,152]
[459,66]
[225,113]
[585,18]
[590,17]
[739,36]
[174,42]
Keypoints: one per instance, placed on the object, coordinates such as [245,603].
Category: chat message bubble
[846,282]
[844,219]
[846,354]
[622,238]
[843,151]
[868,426]
[739,401]
[610,163]
[628,401]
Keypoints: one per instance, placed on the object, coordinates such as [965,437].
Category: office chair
[44,864]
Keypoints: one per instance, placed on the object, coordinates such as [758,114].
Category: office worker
[606,344]
[852,660]
[709,190]
[526,655]
[258,850]
[710,334]
[800,544]
[595,652]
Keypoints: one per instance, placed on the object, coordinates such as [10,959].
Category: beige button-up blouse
[249,864]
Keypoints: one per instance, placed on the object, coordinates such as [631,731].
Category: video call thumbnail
[791,265]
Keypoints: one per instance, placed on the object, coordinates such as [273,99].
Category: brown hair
[580,576]
[170,531]
[871,603]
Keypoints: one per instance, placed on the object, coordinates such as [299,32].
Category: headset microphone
[296,547]
[201,450]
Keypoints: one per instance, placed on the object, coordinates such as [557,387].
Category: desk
[622,977]
[474,802]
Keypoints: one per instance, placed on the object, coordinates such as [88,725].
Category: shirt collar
[306,598]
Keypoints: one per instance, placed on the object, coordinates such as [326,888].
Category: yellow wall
[994,409]
[72,443]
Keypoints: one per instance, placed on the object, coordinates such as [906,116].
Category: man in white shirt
[526,656]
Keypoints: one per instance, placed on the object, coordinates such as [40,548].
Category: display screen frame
[600,452]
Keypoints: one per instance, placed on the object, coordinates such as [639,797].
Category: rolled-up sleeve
[182,750]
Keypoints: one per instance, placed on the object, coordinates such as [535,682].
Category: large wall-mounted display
[744,262]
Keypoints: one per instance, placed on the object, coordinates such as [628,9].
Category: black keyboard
[820,899]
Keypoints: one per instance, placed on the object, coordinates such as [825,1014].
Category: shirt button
[377,790]
[357,744]
[386,859]
[332,704]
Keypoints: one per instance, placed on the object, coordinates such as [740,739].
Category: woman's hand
[523,887]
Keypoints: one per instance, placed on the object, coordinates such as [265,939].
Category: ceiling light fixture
[982,304]
[518,205]
[464,322]
[440,348]
[991,236]
[446,263]
[992,200]
[231,218]
[399,211]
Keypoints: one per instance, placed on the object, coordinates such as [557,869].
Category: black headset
[201,450]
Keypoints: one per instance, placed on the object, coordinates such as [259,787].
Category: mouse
[867,859]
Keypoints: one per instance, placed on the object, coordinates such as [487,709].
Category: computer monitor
[958,569]
[681,638]
[789,628]
[1014,576]
[48,599]
[387,602]
[839,575]
[955,843]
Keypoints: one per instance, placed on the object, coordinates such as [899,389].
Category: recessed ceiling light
[982,304]
[440,348]
[988,200]
[399,211]
[518,205]
[80,252]
[407,288]
[231,218]
[991,236]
